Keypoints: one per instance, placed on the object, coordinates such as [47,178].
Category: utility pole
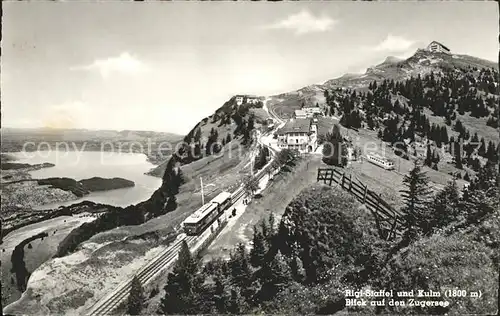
[202,196]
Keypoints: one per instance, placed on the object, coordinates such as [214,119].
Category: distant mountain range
[49,134]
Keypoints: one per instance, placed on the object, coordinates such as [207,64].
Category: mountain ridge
[421,62]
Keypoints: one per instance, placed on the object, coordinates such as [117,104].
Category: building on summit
[437,47]
[252,99]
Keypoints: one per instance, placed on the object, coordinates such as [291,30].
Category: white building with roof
[310,111]
[239,99]
[300,114]
[299,134]
[252,99]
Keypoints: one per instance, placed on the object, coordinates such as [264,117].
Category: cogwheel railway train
[380,161]
[206,215]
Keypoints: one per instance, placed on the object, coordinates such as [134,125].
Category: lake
[87,164]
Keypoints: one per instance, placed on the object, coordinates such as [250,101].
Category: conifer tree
[272,225]
[415,196]
[220,299]
[258,251]
[241,273]
[136,297]
[482,148]
[444,134]
[491,152]
[197,135]
[235,303]
[274,276]
[334,150]
[444,208]
[251,184]
[458,153]
[297,269]
[247,131]
[428,156]
[179,290]
[197,151]
[475,139]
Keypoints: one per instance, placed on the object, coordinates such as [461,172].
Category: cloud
[304,22]
[393,44]
[67,115]
[124,63]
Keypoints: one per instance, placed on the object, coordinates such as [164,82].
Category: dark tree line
[396,108]
[195,147]
[18,264]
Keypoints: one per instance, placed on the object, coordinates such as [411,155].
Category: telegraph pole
[202,196]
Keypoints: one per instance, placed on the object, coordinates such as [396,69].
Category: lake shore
[25,193]
[56,226]
[153,157]
[22,196]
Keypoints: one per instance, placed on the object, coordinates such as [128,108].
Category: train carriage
[380,161]
[197,222]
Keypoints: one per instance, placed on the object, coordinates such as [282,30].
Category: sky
[163,66]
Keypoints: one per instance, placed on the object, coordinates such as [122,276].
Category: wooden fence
[389,221]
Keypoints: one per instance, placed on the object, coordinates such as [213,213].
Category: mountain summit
[392,60]
[422,62]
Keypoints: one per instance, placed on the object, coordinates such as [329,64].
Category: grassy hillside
[231,123]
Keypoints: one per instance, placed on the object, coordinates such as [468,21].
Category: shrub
[440,263]
[328,229]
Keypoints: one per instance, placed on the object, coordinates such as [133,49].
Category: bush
[329,230]
[440,263]
[154,292]
[299,299]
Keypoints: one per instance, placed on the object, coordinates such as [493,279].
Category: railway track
[148,273]
[145,275]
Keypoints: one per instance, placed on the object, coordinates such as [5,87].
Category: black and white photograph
[250,158]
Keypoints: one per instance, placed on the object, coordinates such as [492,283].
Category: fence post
[343,179]
[364,196]
[330,175]
[393,228]
[377,222]
[350,182]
